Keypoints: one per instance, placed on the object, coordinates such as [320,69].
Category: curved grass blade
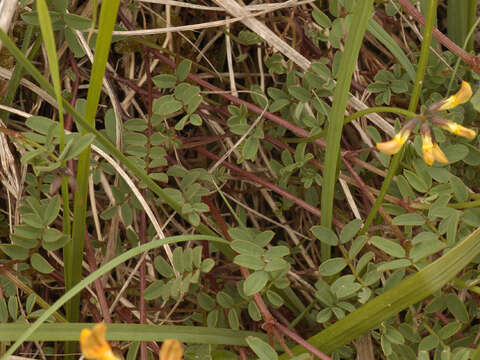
[97,274]
[410,291]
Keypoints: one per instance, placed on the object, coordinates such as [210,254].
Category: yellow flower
[461,97]
[171,350]
[427,149]
[439,155]
[94,345]
[458,129]
[393,146]
[431,151]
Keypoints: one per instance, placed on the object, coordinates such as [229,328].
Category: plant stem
[417,88]
[356,115]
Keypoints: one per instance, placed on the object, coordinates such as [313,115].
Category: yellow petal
[439,155]
[393,146]
[171,350]
[454,127]
[428,157]
[466,132]
[461,97]
[460,130]
[94,345]
[428,150]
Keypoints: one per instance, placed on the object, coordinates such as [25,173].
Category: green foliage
[180,280]
[388,83]
[36,232]
[327,292]
[261,349]
[64,22]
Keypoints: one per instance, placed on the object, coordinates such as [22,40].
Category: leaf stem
[414,100]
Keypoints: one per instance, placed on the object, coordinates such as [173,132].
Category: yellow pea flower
[439,155]
[454,128]
[431,150]
[171,350]
[393,146]
[461,97]
[427,149]
[94,345]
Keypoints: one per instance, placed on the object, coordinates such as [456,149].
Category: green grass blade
[410,291]
[458,20]
[385,38]
[108,16]
[468,39]
[132,332]
[476,353]
[19,70]
[361,14]
[334,7]
[75,290]
[51,50]
[472,14]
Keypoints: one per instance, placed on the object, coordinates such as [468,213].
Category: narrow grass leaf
[132,332]
[360,16]
[73,274]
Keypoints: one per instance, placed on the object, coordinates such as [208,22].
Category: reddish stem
[267,316]
[98,284]
[254,108]
[261,181]
[469,59]
[292,335]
